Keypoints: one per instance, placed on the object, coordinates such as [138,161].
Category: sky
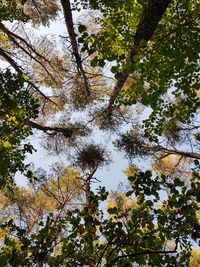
[110,176]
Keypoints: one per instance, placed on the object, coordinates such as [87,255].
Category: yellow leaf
[6,144]
[26,78]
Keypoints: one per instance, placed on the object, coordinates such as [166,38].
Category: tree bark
[72,36]
[145,29]
[161,149]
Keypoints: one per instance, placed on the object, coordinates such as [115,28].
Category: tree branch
[171,151]
[67,131]
[18,69]
[147,252]
[180,152]
[14,35]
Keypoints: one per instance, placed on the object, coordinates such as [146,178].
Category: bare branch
[67,132]
[171,151]
[18,69]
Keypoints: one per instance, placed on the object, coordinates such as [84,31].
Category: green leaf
[94,62]
[112,210]
[114,69]
[143,43]
[81,28]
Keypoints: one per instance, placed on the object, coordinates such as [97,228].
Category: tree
[122,57]
[16,107]
[54,194]
[166,227]
[195,258]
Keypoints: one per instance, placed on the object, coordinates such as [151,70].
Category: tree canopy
[125,70]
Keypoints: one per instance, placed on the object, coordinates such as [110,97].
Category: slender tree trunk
[72,36]
[89,220]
